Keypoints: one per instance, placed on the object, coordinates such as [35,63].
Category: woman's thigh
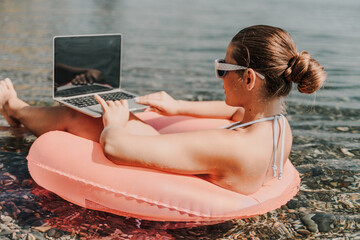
[84,126]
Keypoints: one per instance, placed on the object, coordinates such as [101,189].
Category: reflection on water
[170,45]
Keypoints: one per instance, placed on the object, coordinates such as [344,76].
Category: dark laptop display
[86,64]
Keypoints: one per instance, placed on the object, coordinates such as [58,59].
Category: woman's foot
[8,97]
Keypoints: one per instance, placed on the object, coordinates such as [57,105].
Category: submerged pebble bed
[327,205]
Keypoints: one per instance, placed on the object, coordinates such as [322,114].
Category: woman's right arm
[164,104]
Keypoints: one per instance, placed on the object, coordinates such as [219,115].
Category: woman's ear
[249,79]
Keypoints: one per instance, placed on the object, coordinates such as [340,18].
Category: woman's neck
[262,109]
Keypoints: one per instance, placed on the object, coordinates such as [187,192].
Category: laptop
[85,65]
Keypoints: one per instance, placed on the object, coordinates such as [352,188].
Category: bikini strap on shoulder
[235,125]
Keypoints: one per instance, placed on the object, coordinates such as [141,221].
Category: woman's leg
[39,120]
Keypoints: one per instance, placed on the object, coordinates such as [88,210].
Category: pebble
[298,226]
[4,227]
[6,219]
[37,223]
[347,152]
[9,175]
[42,228]
[29,236]
[26,183]
[343,129]
[303,209]
[8,182]
[309,223]
[6,233]
[38,236]
[51,232]
[317,171]
[58,234]
[303,232]
[293,204]
[334,184]
[318,222]
[323,221]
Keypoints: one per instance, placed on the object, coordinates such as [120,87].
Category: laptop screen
[86,64]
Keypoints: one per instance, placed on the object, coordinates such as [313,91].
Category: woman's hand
[114,112]
[160,102]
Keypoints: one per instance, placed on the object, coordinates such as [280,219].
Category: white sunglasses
[221,68]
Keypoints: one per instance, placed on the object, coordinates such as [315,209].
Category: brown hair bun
[306,72]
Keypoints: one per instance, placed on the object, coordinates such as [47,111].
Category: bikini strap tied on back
[274,167]
[275,118]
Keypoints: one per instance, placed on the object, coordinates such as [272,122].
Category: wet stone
[318,221]
[323,221]
[303,232]
[293,204]
[333,184]
[38,235]
[10,207]
[317,171]
[29,236]
[309,223]
[42,228]
[347,152]
[34,221]
[58,234]
[26,183]
[342,129]
[37,223]
[4,227]
[10,176]
[51,232]
[5,233]
[6,219]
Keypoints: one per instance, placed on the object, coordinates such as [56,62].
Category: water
[171,45]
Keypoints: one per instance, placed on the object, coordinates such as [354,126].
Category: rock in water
[318,221]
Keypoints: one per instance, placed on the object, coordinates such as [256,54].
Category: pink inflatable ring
[77,170]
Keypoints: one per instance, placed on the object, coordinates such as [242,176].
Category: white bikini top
[275,118]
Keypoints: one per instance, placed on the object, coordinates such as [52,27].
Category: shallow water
[170,45]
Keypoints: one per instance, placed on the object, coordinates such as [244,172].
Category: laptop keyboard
[90,100]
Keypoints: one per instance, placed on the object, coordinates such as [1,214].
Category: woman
[260,65]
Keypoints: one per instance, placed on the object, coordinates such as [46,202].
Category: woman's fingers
[150,98]
[108,104]
[142,100]
[125,103]
[102,102]
[149,101]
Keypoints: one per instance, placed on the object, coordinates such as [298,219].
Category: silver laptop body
[85,65]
